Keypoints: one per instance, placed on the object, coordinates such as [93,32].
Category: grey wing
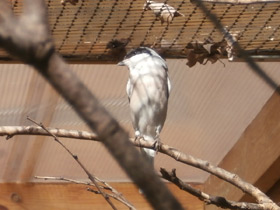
[167,77]
[128,89]
[168,85]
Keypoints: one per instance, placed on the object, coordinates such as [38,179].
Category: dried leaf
[117,48]
[206,51]
[192,59]
[162,11]
[195,53]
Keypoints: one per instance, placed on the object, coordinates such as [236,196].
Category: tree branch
[115,194]
[17,38]
[208,199]
[163,148]
[11,131]
[242,53]
[75,157]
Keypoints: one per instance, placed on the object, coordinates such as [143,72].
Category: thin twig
[75,157]
[60,178]
[112,196]
[116,195]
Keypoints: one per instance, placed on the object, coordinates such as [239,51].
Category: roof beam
[255,152]
[274,192]
[45,196]
[267,181]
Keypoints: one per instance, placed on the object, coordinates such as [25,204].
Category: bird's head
[138,55]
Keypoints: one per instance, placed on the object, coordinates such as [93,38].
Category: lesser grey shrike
[148,89]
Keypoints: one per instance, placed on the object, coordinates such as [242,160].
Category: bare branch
[219,172]
[5,14]
[242,53]
[17,33]
[231,178]
[11,131]
[60,178]
[165,149]
[75,157]
[208,199]
[17,37]
[115,194]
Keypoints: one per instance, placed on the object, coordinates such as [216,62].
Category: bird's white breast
[148,90]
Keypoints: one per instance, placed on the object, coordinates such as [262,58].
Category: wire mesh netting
[104,30]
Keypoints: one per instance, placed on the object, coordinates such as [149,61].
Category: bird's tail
[149,153]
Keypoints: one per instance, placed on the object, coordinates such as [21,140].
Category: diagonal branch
[243,54]
[208,199]
[17,38]
[115,194]
[75,157]
[233,179]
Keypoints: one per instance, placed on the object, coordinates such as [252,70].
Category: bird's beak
[121,63]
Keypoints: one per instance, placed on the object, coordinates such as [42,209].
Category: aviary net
[104,30]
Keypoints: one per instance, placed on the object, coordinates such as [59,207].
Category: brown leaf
[198,52]
[117,48]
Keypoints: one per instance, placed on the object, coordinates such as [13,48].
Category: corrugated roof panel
[82,32]
[210,106]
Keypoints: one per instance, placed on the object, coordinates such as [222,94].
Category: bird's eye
[134,53]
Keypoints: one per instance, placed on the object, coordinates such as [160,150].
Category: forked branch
[209,199]
[75,157]
[17,38]
[104,186]
[264,201]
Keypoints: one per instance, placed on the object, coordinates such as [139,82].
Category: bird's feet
[157,144]
[137,137]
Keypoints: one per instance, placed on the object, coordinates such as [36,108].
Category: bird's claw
[137,139]
[157,145]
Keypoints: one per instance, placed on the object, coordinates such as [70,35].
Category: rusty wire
[270,18]
[167,26]
[101,30]
[249,24]
[82,32]
[67,34]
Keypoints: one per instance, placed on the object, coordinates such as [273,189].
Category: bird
[148,89]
